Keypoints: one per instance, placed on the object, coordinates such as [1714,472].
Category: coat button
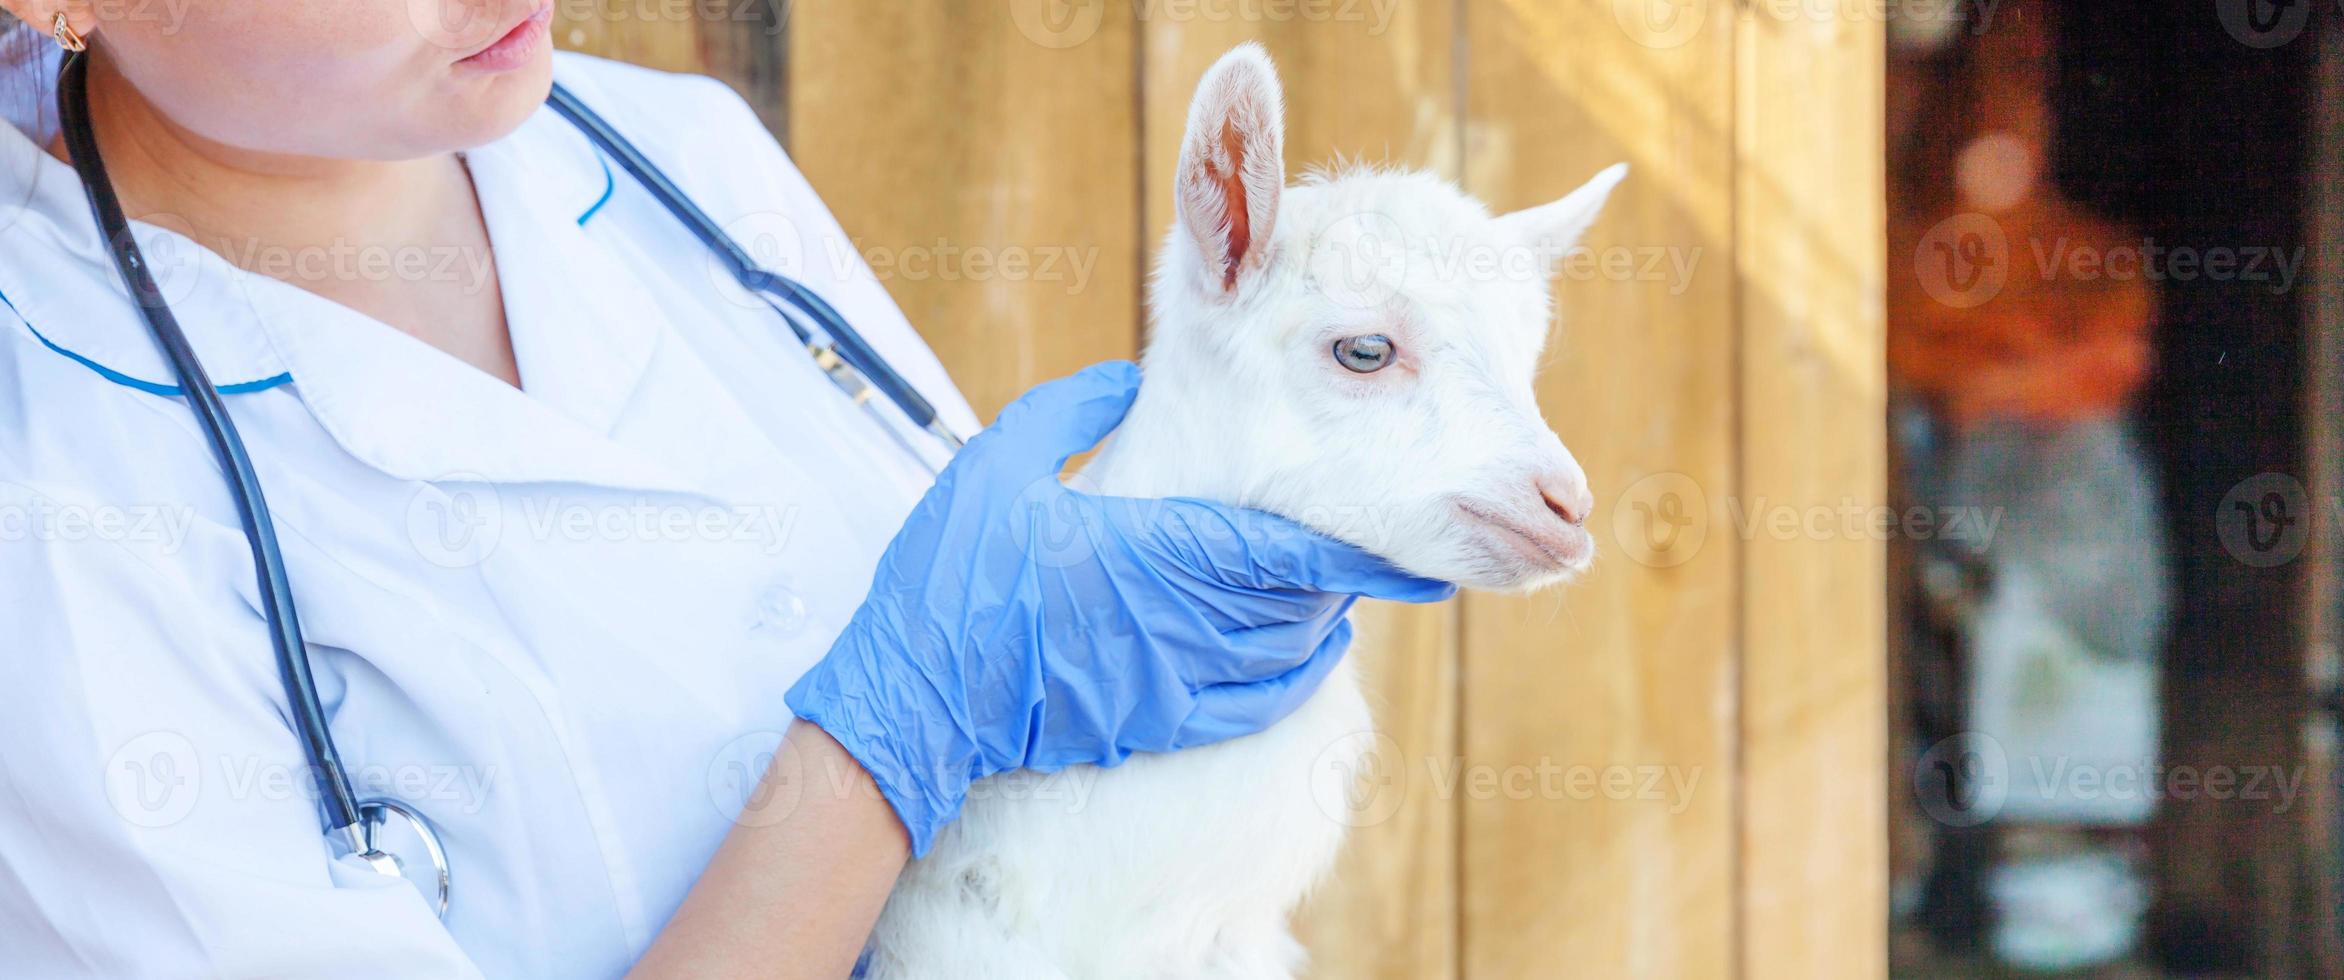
[782,610]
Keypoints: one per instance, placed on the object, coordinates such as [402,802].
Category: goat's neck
[1184,437]
[1152,454]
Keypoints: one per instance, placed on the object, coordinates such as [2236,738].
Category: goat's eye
[1364,355]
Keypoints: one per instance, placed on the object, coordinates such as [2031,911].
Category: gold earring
[67,37]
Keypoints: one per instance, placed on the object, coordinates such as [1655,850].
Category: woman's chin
[493,106]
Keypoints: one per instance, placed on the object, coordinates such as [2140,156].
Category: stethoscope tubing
[335,792]
[753,277]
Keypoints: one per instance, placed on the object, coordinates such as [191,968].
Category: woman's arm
[799,881]
[1013,624]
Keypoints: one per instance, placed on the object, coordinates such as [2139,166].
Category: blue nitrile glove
[1018,624]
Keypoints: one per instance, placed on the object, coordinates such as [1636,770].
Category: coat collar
[58,277]
[585,334]
[585,330]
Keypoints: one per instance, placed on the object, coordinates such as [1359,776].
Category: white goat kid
[1346,353]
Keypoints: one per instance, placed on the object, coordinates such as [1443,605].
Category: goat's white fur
[1188,864]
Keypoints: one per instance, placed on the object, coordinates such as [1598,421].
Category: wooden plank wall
[1700,727]
[1630,671]
[1809,265]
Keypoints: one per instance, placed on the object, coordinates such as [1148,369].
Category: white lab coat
[558,622]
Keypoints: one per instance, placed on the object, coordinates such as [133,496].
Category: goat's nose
[1565,491]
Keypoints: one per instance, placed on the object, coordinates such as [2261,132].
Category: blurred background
[1959,380]
[2112,324]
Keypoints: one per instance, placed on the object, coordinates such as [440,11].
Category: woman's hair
[12,77]
[21,51]
[23,57]
[17,57]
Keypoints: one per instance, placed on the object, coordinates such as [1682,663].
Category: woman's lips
[518,47]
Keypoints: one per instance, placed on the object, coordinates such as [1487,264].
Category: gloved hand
[1015,623]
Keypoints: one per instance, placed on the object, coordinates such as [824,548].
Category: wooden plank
[746,43]
[2323,667]
[743,43]
[955,140]
[1375,91]
[1809,253]
[1627,675]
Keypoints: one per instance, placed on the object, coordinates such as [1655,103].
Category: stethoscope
[379,829]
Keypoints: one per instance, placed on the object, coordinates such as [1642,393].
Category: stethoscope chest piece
[390,835]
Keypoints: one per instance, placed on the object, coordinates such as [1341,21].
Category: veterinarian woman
[575,528]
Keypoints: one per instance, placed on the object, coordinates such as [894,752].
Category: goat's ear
[1554,227]
[1232,167]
